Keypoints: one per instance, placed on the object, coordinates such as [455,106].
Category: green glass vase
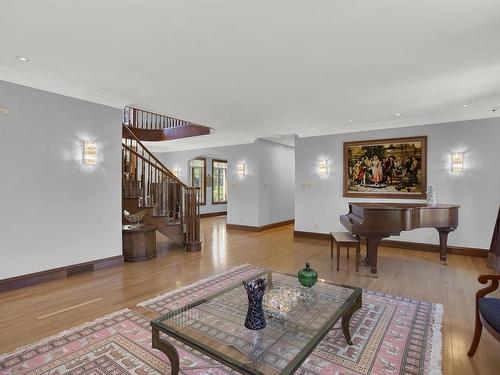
[307,276]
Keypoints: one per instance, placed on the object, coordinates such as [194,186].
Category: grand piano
[375,221]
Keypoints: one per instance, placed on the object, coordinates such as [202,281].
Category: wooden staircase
[172,206]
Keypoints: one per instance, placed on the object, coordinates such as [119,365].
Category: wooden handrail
[133,137]
[146,160]
[162,168]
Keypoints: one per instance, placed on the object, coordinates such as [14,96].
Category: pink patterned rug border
[66,332]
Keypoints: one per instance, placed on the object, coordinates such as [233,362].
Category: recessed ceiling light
[466,105]
[350,120]
[398,114]
[22,58]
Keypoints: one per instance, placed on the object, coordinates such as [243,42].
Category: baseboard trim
[318,236]
[259,229]
[211,214]
[58,273]
[456,250]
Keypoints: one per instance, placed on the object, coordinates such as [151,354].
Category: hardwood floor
[35,312]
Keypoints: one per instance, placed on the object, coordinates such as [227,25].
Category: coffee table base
[346,318]
[167,348]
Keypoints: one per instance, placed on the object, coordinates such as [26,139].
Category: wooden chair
[345,239]
[487,311]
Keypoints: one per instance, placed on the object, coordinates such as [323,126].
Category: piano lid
[400,206]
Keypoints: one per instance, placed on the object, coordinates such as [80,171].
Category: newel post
[192,219]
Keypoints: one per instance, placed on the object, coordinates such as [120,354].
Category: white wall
[56,212]
[276,182]
[319,201]
[178,161]
[242,196]
[264,196]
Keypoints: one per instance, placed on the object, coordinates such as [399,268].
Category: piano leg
[363,261]
[443,243]
[372,252]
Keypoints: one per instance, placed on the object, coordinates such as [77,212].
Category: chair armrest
[483,279]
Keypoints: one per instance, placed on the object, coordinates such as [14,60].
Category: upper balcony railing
[138,118]
[150,126]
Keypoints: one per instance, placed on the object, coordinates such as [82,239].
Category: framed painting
[386,168]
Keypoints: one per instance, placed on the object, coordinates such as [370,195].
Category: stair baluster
[148,184]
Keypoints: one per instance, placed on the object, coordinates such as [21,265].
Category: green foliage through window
[197,168]
[219,181]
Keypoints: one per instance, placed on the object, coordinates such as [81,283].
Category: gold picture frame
[386,168]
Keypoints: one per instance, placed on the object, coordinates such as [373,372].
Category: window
[219,181]
[197,170]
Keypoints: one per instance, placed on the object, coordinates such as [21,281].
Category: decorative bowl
[279,301]
[134,218]
[307,276]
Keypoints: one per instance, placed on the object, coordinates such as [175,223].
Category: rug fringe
[437,342]
[177,290]
[66,332]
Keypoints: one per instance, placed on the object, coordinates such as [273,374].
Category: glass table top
[215,325]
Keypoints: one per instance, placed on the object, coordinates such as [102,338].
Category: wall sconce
[457,162]
[323,168]
[241,170]
[89,152]
[176,171]
[4,111]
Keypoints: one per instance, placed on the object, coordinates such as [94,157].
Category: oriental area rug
[391,335]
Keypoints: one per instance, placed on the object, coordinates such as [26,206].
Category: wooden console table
[139,242]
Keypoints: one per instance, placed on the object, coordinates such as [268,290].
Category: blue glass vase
[255,319]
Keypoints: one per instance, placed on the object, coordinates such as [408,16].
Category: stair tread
[172,224]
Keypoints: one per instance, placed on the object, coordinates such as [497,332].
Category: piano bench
[345,239]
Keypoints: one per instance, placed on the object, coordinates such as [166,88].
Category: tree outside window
[219,181]
[197,171]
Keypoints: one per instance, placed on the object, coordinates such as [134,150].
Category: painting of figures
[386,168]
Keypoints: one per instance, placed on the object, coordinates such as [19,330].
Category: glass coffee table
[215,326]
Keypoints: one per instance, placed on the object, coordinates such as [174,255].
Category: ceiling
[263,68]
[284,139]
